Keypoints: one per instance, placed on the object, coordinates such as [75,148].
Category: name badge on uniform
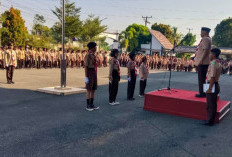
[206,87]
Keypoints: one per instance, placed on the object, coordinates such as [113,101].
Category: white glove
[110,82]
[6,65]
[86,80]
[129,79]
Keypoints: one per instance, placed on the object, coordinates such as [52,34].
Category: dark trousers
[212,104]
[202,71]
[9,73]
[143,84]
[131,87]
[39,63]
[113,90]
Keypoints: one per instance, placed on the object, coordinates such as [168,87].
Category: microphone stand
[170,74]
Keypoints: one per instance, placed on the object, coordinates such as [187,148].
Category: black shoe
[8,82]
[89,108]
[12,82]
[131,99]
[201,95]
[209,124]
[95,108]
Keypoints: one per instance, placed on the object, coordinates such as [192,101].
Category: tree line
[14,31]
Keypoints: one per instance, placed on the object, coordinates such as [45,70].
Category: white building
[159,44]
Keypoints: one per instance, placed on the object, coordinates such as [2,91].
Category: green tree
[223,34]
[14,30]
[134,36]
[39,21]
[91,30]
[41,34]
[188,40]
[166,30]
[175,35]
[73,24]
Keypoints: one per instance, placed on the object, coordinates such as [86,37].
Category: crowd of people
[30,57]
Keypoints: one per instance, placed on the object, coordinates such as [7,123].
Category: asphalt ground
[37,124]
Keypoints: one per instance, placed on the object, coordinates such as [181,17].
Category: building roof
[162,39]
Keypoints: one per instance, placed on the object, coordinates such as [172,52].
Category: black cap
[206,29]
[91,45]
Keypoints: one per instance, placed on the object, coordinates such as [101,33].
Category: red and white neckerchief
[136,71]
[13,58]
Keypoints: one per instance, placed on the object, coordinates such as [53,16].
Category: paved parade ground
[38,124]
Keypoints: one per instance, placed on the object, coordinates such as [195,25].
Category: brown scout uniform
[214,70]
[90,64]
[114,74]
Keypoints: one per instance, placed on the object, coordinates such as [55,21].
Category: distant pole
[189,29]
[146,19]
[63,59]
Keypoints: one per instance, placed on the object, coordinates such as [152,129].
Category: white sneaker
[141,96]
[89,109]
[112,103]
[117,103]
[96,107]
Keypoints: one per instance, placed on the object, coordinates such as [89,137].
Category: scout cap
[206,29]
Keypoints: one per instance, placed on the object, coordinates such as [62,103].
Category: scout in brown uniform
[202,59]
[213,75]
[10,62]
[132,74]
[91,75]
[114,77]
[1,58]
[143,74]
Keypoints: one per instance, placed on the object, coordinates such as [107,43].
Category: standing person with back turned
[202,59]
[213,76]
[143,74]
[11,63]
[114,77]
[91,75]
[132,74]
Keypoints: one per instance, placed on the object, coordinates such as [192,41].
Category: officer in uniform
[132,74]
[143,74]
[202,59]
[10,62]
[114,77]
[213,75]
[91,75]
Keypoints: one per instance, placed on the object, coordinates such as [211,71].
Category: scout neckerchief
[136,71]
[197,49]
[13,58]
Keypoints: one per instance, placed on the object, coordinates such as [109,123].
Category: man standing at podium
[202,59]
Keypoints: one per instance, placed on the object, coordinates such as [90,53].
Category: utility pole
[63,59]
[189,29]
[146,20]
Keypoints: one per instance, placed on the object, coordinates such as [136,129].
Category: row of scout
[47,58]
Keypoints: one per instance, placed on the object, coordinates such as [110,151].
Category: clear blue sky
[120,13]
